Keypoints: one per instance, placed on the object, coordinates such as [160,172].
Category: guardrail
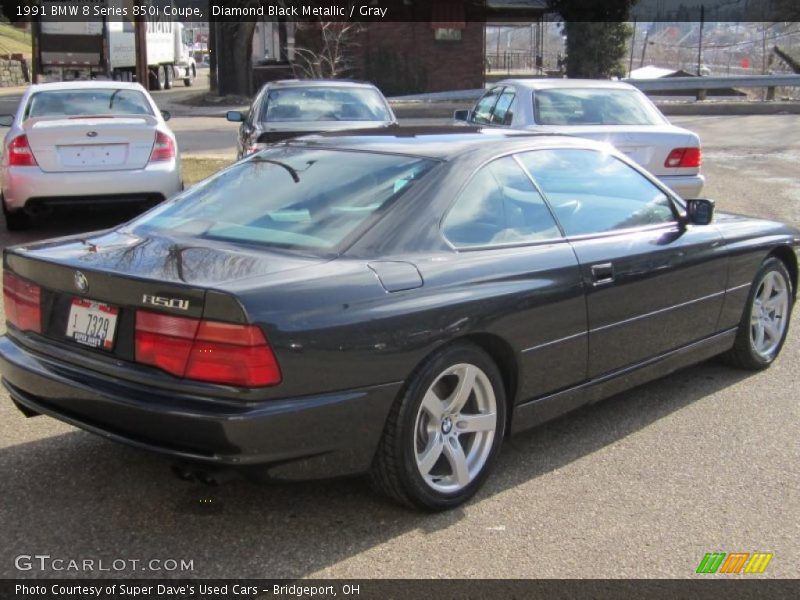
[703,84]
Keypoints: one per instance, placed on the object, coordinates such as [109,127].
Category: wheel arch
[503,355]
[787,256]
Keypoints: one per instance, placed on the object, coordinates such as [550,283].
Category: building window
[447,34]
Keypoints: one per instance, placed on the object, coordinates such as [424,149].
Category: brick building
[440,47]
[410,57]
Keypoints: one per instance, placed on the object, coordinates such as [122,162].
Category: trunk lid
[81,144]
[648,145]
[168,261]
[120,273]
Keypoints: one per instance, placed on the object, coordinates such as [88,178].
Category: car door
[521,271]
[653,283]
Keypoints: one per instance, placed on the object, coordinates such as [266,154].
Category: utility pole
[644,46]
[700,43]
[212,53]
[140,37]
[36,50]
[633,45]
[701,94]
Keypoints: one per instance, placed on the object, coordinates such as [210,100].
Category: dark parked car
[392,304]
[294,107]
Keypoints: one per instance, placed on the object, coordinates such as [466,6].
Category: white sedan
[85,143]
[611,111]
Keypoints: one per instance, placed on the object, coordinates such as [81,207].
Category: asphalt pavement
[640,485]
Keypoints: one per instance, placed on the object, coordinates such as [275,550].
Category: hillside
[13,41]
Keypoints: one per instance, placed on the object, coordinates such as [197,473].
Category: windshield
[80,103]
[289,197]
[594,107]
[320,103]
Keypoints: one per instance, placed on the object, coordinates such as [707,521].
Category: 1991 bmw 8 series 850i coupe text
[392,303]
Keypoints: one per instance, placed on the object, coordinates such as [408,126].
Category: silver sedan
[85,143]
[611,111]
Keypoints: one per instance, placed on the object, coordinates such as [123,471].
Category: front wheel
[765,321]
[444,431]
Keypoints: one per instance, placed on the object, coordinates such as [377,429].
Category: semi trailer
[106,48]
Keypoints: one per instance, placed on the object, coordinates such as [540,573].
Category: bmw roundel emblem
[81,283]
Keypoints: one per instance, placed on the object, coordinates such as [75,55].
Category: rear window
[289,197]
[594,107]
[81,103]
[324,104]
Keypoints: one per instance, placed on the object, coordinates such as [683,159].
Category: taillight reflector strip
[203,350]
[22,301]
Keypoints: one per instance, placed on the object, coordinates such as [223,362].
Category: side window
[503,114]
[498,206]
[594,192]
[482,113]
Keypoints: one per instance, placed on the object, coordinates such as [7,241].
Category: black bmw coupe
[391,303]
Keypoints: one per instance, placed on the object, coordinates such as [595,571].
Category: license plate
[92,323]
[98,155]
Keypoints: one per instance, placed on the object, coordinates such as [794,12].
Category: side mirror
[234,116]
[6,120]
[166,115]
[461,115]
[700,211]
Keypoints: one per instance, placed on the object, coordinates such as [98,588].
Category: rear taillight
[684,157]
[23,303]
[20,153]
[206,350]
[163,148]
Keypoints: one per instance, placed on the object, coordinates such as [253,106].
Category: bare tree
[329,49]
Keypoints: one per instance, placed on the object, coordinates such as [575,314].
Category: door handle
[602,273]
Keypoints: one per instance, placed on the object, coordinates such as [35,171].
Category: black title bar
[388,589]
[454,12]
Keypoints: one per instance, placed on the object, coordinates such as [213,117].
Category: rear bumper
[311,437]
[22,185]
[686,186]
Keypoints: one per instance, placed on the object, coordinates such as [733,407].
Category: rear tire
[444,430]
[765,320]
[159,78]
[188,81]
[17,220]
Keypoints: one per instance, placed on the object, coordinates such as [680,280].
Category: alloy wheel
[455,428]
[769,314]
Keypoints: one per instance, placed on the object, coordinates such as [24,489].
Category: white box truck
[107,48]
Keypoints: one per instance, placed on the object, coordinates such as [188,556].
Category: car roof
[441,143]
[319,83]
[102,84]
[552,83]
